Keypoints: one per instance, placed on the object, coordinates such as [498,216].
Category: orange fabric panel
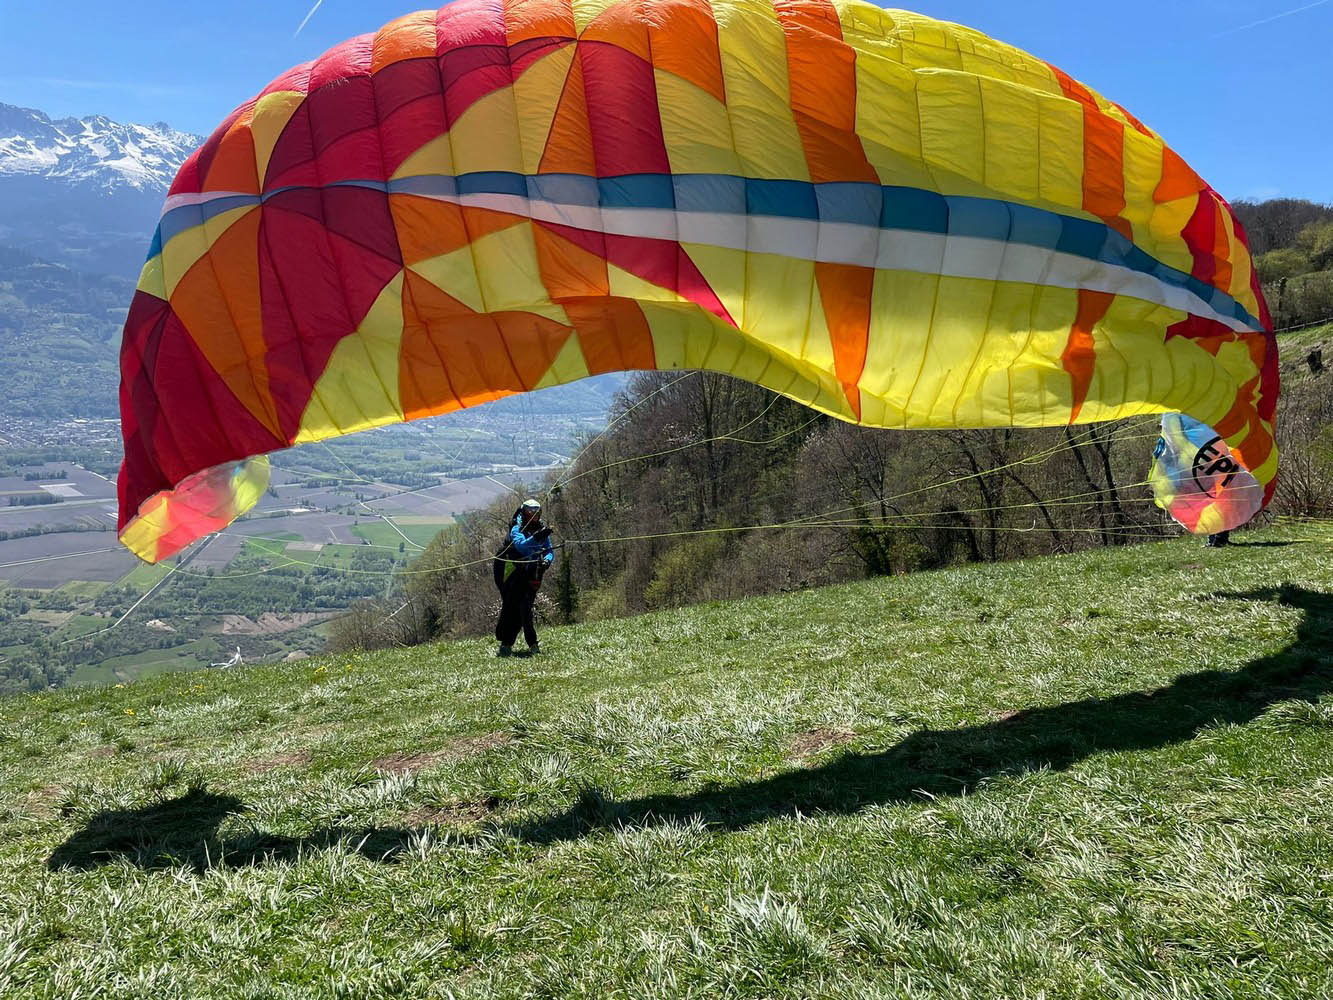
[234,167]
[436,331]
[525,19]
[1080,354]
[409,37]
[449,355]
[568,271]
[620,25]
[1178,179]
[614,335]
[822,71]
[221,292]
[569,143]
[846,292]
[684,42]
[427,228]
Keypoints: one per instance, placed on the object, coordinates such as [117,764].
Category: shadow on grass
[185,831]
[952,761]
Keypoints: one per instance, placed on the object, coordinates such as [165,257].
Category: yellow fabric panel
[956,334]
[1168,220]
[456,274]
[888,121]
[1012,152]
[872,30]
[1143,172]
[900,331]
[587,11]
[485,136]
[952,136]
[1037,380]
[270,117]
[1061,157]
[1122,384]
[436,157]
[510,275]
[754,69]
[725,271]
[778,293]
[536,97]
[185,248]
[152,279]
[987,396]
[1241,267]
[359,387]
[695,127]
[679,330]
[569,365]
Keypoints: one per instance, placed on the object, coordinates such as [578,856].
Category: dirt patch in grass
[816,741]
[269,623]
[464,746]
[262,765]
[452,814]
[42,802]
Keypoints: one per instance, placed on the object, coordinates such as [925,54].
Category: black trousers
[516,599]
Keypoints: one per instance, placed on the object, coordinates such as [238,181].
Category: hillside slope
[1102,775]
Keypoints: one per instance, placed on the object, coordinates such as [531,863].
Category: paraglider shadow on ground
[186,831]
[953,761]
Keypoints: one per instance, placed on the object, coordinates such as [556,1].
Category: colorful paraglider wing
[1197,480]
[897,221]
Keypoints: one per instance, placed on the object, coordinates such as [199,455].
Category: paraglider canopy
[897,221]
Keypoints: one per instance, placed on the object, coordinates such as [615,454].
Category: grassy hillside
[1102,775]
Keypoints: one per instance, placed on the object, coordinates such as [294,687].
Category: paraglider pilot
[519,567]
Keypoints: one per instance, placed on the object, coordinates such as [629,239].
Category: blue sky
[1246,103]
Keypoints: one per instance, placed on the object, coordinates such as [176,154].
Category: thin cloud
[1261,21]
[319,4]
[119,86]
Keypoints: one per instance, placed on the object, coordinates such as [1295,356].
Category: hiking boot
[505,651]
[535,649]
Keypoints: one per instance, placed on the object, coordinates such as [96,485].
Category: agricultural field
[314,545]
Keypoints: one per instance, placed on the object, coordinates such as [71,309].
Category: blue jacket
[528,548]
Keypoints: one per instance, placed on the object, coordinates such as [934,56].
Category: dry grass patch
[464,746]
[813,742]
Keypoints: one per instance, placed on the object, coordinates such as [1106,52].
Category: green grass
[83,625]
[1102,775]
[84,588]
[419,534]
[137,666]
[1298,341]
[145,576]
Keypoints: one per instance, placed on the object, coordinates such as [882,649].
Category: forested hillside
[59,338]
[1292,241]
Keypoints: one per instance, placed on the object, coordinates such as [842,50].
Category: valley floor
[1101,775]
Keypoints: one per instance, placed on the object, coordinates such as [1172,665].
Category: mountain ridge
[92,150]
[85,192]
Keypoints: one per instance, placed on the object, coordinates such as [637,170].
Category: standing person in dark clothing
[519,567]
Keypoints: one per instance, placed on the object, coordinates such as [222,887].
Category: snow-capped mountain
[92,151]
[85,191]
